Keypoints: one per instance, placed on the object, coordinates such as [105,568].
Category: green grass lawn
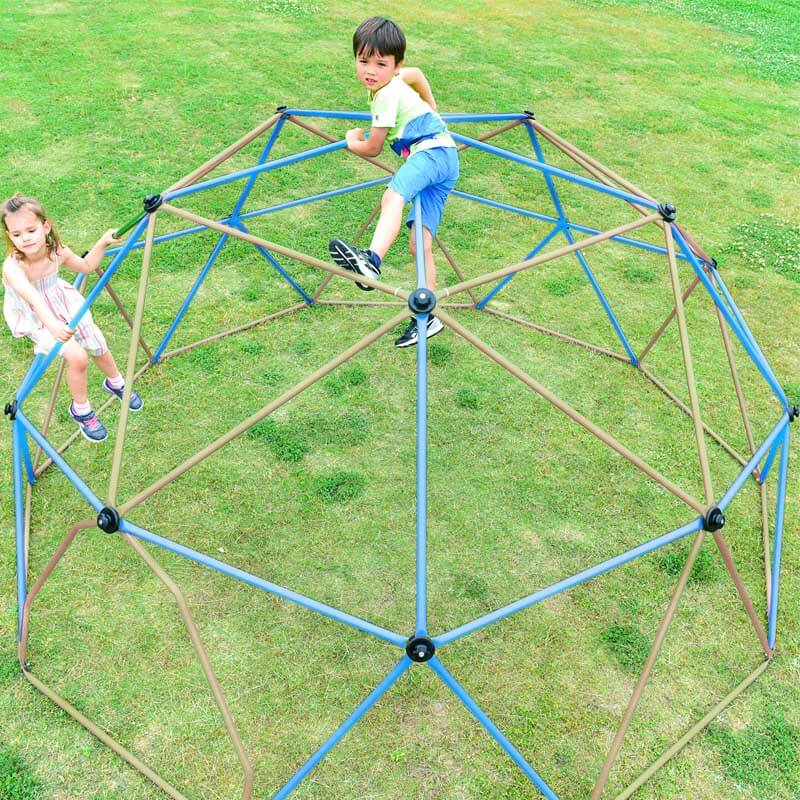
[697,103]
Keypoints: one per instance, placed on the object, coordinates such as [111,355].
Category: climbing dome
[625,334]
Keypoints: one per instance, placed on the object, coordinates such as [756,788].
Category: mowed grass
[696,103]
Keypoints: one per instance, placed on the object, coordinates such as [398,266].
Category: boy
[403,111]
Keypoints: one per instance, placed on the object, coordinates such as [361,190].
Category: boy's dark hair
[379,35]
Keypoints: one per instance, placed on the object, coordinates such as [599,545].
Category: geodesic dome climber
[418,645]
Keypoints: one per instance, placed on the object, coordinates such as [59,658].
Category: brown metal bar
[686,410]
[586,161]
[130,372]
[329,138]
[571,339]
[285,251]
[648,666]
[454,266]
[664,325]
[214,162]
[726,341]
[205,663]
[72,437]
[491,134]
[54,696]
[374,303]
[692,732]
[689,367]
[490,277]
[615,445]
[765,542]
[266,411]
[238,329]
[124,313]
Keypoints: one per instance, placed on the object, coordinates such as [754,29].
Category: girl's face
[375,70]
[27,232]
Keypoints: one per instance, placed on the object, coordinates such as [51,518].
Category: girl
[38,304]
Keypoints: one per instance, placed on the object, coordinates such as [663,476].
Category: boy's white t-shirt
[413,124]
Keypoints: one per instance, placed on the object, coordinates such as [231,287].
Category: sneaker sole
[414,341]
[344,259]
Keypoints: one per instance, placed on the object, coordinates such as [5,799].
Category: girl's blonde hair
[18,202]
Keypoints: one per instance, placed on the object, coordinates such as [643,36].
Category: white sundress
[64,300]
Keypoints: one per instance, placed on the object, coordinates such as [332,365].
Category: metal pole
[777,546]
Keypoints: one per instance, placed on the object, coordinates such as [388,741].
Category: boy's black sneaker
[410,336]
[362,262]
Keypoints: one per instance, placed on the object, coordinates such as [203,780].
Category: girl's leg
[430,265]
[392,205]
[107,364]
[77,364]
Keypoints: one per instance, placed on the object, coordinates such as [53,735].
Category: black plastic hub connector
[108,520]
[668,212]
[794,413]
[420,649]
[714,264]
[529,114]
[152,202]
[422,301]
[281,109]
[714,519]
[11,409]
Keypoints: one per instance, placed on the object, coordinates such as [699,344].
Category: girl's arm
[15,277]
[415,78]
[93,257]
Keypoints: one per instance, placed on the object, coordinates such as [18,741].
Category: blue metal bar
[34,365]
[560,173]
[537,148]
[741,335]
[777,546]
[491,728]
[166,237]
[754,461]
[261,159]
[315,197]
[189,297]
[258,169]
[422,431]
[260,583]
[481,304]
[581,258]
[342,730]
[568,583]
[773,451]
[92,296]
[19,522]
[88,495]
[652,248]
[602,298]
[739,316]
[26,455]
[307,299]
[311,112]
[524,212]
[453,117]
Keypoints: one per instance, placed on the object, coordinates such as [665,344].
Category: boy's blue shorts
[431,174]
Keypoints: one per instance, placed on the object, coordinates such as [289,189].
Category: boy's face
[375,70]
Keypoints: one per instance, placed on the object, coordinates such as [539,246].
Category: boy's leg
[389,222]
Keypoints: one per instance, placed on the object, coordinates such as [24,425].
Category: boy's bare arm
[416,79]
[357,143]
